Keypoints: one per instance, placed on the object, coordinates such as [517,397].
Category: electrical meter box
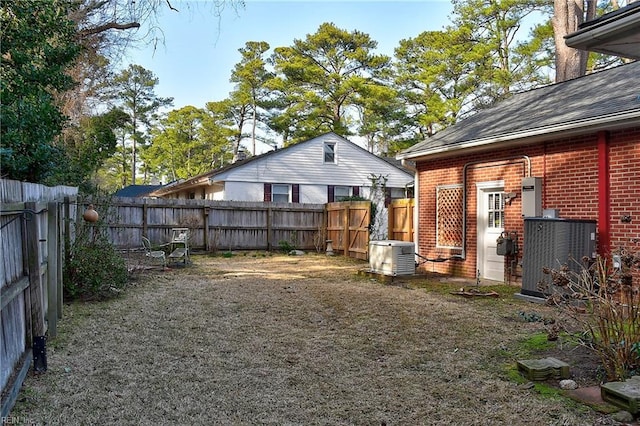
[532,197]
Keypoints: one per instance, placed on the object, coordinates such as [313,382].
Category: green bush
[94,270]
[286,246]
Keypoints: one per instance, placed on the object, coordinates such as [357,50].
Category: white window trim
[349,191]
[335,152]
[273,192]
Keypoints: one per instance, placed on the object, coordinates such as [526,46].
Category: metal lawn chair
[179,245]
[153,254]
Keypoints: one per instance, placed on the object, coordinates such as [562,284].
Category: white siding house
[320,170]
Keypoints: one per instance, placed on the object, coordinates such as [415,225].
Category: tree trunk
[253,130]
[567,15]
[133,154]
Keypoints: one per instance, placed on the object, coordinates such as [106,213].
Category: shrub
[94,269]
[286,246]
[95,272]
[606,303]
[290,245]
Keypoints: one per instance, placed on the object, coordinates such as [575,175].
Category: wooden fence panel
[214,225]
[336,223]
[32,220]
[348,227]
[401,219]
[359,219]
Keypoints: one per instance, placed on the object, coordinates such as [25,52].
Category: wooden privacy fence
[215,225]
[239,225]
[401,219]
[34,229]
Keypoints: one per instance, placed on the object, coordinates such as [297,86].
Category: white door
[490,226]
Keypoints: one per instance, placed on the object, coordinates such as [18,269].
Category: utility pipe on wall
[416,199]
[463,255]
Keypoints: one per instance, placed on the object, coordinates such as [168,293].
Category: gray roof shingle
[610,93]
[136,190]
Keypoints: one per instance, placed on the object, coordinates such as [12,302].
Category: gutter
[535,135]
[626,23]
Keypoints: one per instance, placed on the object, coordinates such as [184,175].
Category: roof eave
[180,187]
[575,128]
[597,37]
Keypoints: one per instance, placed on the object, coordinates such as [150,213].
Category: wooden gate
[401,219]
[348,227]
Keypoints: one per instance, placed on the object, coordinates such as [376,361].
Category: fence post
[205,218]
[67,227]
[52,269]
[144,218]
[269,229]
[345,231]
[61,260]
[34,270]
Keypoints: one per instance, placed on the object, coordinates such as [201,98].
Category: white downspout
[416,202]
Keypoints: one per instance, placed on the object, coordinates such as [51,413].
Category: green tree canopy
[319,81]
[38,44]
[89,145]
[133,91]
[441,76]
[250,76]
[183,145]
[504,64]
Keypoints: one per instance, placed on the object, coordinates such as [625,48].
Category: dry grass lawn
[285,340]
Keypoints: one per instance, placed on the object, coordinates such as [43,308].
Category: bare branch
[109,26]
[171,7]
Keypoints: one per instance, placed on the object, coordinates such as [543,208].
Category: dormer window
[330,152]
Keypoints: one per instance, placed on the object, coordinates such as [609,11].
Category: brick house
[579,138]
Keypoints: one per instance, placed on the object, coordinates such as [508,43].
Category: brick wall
[624,156]
[569,168]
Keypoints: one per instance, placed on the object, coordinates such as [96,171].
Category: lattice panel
[449,217]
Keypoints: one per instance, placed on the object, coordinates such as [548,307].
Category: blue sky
[200,51]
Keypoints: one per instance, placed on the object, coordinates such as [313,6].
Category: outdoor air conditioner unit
[551,243]
[391,257]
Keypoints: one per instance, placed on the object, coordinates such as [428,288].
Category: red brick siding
[624,179]
[569,169]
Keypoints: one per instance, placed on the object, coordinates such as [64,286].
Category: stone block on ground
[543,369]
[625,395]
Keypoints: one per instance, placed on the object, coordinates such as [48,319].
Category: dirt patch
[586,367]
[259,339]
